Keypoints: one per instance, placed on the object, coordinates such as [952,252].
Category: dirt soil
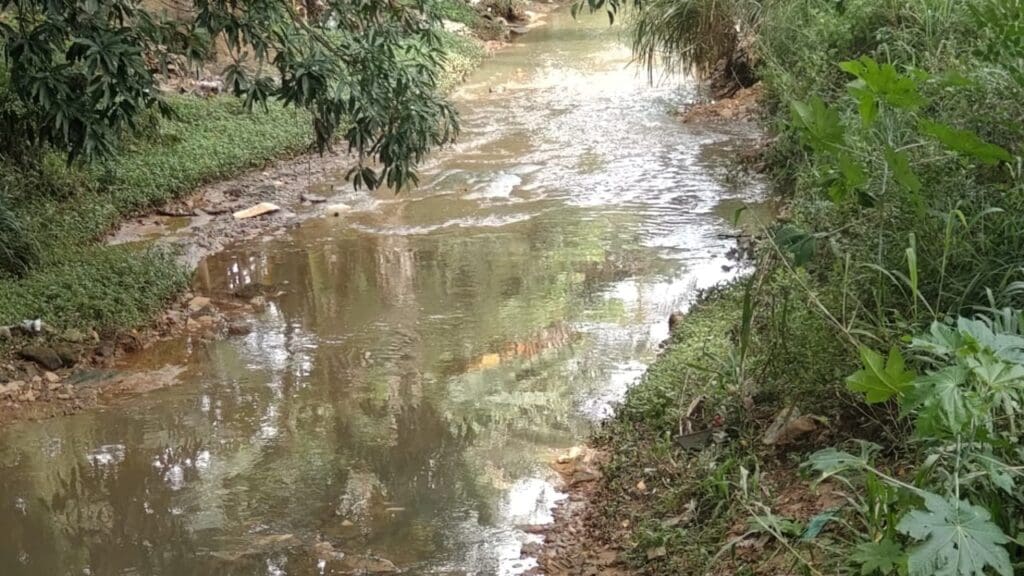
[741,106]
[580,541]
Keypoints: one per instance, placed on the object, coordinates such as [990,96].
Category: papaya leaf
[941,340]
[880,379]
[899,165]
[815,525]
[852,171]
[882,82]
[965,142]
[829,462]
[878,557]
[820,127]
[797,242]
[995,373]
[941,401]
[957,539]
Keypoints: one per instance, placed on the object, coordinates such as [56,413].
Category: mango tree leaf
[880,380]
[899,165]
[965,142]
[878,557]
[957,539]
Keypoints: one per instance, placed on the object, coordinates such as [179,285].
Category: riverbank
[790,425]
[117,244]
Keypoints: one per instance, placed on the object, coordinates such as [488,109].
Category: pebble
[11,388]
[239,328]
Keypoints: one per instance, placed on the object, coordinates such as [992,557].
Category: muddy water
[418,362]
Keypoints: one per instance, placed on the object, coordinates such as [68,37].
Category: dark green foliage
[362,68]
[18,254]
[688,35]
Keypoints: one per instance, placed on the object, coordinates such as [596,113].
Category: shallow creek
[419,361]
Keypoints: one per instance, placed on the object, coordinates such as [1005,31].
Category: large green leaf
[881,379]
[821,127]
[878,557]
[965,142]
[957,539]
[797,242]
[829,462]
[995,373]
[942,340]
[881,83]
[940,398]
[899,166]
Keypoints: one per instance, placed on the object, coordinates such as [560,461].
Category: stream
[420,360]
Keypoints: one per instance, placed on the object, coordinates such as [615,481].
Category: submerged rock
[312,198]
[337,209]
[199,305]
[363,565]
[239,328]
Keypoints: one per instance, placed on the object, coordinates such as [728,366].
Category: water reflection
[416,364]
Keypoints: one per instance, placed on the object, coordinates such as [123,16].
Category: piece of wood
[257,210]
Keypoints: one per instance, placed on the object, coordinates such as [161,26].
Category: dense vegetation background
[882,322]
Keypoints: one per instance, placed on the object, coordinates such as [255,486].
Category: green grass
[464,55]
[65,211]
[458,11]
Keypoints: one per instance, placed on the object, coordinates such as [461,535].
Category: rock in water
[366,565]
[675,320]
[199,305]
[312,198]
[239,328]
[338,209]
[44,356]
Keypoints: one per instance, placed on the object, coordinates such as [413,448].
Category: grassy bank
[885,309]
[63,212]
[52,217]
